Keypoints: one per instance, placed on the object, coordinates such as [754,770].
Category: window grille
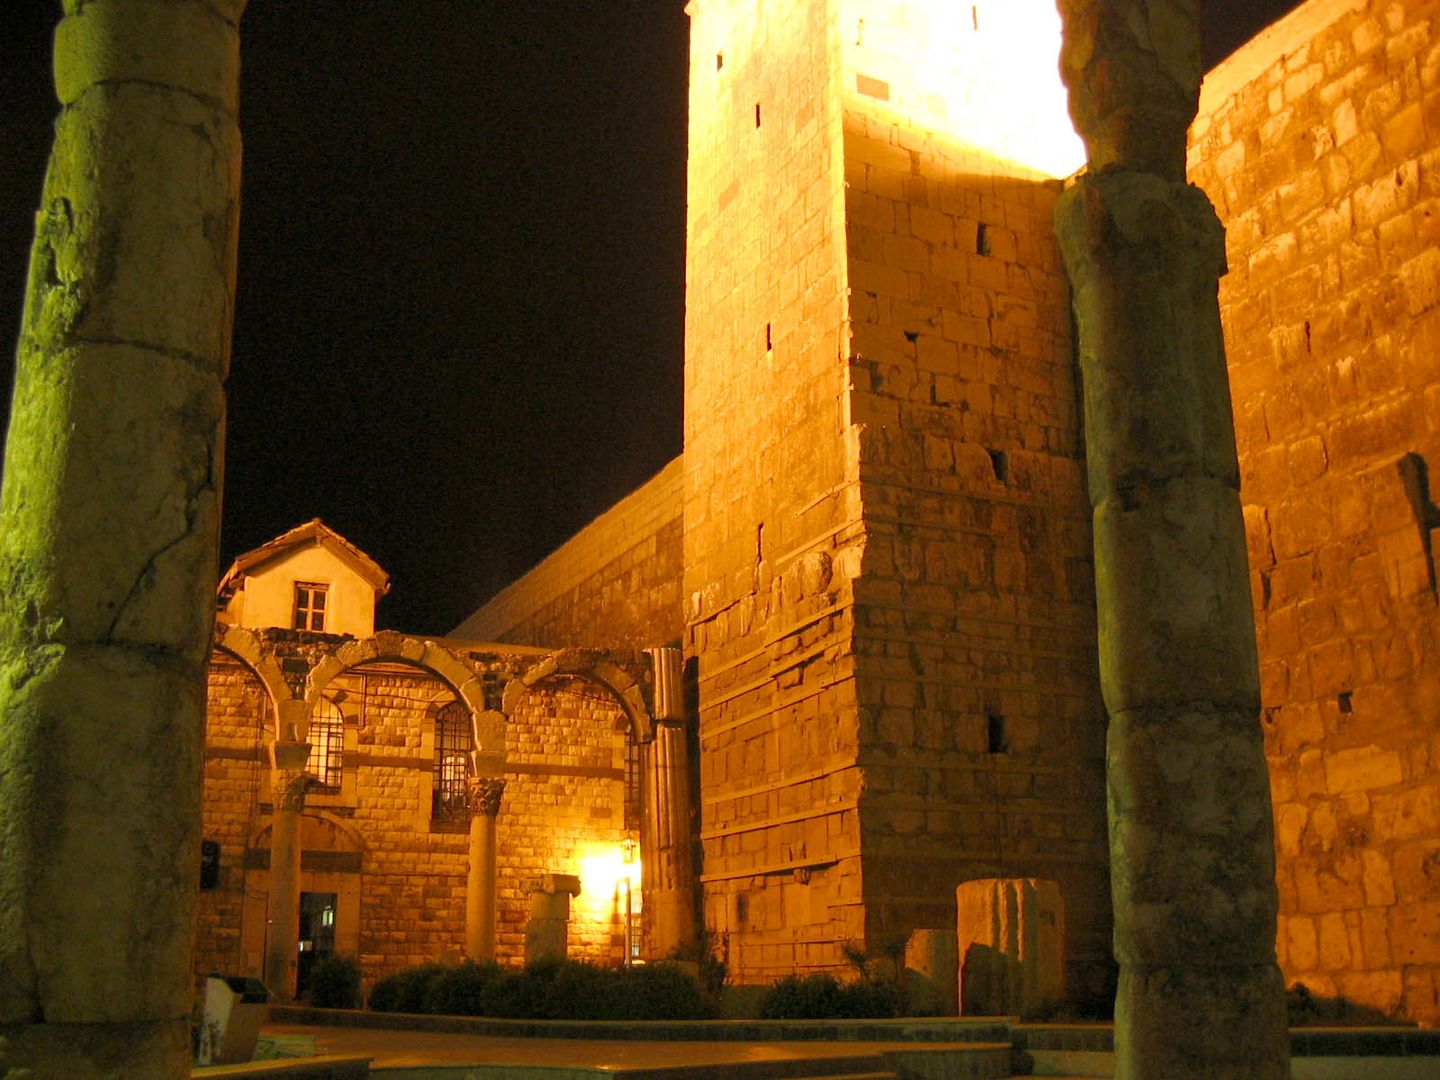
[450,796]
[327,747]
[632,785]
[309,606]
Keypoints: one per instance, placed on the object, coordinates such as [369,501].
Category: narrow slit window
[995,733]
[757,114]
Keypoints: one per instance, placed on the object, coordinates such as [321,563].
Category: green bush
[460,991]
[520,995]
[821,996]
[666,992]
[404,991]
[708,951]
[580,991]
[335,983]
[547,990]
[870,998]
[802,997]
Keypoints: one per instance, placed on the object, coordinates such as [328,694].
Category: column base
[154,1050]
[1189,1023]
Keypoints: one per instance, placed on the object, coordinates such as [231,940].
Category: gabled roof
[313,533]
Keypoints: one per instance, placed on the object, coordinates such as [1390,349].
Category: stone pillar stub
[1191,847]
[293,718]
[932,972]
[111,523]
[547,932]
[1010,947]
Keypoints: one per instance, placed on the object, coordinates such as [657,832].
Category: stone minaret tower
[889,595]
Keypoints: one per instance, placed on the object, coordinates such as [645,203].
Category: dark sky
[458,328]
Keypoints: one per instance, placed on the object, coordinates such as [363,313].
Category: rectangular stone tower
[888,585]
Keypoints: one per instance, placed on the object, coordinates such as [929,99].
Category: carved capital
[289,787]
[485,794]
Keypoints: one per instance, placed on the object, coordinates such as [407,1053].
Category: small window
[309,606]
[327,748]
[449,795]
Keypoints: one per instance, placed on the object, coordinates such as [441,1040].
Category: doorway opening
[317,935]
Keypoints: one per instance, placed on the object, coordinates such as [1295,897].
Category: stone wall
[614,584]
[1317,142]
[235,727]
[772,533]
[981,728]
[398,876]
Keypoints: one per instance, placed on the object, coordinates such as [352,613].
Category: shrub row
[823,997]
[548,990]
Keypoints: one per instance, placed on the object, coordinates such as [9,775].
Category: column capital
[485,795]
[289,787]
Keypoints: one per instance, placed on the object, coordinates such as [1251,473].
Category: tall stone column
[1192,855]
[667,840]
[288,784]
[109,544]
[485,795]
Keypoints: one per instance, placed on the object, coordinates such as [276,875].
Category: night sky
[458,334]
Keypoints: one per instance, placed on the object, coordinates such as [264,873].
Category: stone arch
[244,646]
[354,838]
[388,645]
[587,664]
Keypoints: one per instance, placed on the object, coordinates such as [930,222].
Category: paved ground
[393,1049]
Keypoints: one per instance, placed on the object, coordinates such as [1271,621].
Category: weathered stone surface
[111,505]
[1133,68]
[547,932]
[109,852]
[1307,144]
[112,1051]
[1190,829]
[932,972]
[1010,936]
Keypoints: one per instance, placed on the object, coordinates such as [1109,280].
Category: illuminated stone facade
[1319,144]
[384,830]
[886,549]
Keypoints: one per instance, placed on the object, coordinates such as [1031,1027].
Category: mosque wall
[614,584]
[1319,144]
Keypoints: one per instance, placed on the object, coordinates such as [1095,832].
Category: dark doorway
[317,935]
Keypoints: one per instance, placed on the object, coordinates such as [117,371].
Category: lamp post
[629,862]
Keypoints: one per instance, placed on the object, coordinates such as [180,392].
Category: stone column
[667,840]
[109,544]
[288,784]
[485,795]
[1010,945]
[1192,856]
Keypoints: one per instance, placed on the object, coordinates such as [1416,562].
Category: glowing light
[984,75]
[604,872]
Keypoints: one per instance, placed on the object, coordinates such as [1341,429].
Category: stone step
[985,1062]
